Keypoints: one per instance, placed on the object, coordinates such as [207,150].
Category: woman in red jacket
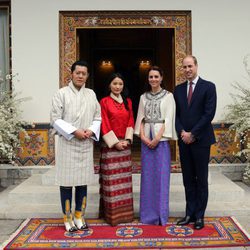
[116,166]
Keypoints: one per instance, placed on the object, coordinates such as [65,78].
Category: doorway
[130,51]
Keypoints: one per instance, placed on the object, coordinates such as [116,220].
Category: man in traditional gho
[76,117]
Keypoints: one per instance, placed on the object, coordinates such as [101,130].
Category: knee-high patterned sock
[66,198]
[68,210]
[66,194]
[81,200]
[81,192]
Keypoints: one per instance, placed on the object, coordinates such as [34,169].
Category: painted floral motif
[224,142]
[92,21]
[158,21]
[34,144]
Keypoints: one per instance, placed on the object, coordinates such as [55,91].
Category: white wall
[220,40]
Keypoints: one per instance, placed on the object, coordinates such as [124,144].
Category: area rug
[50,234]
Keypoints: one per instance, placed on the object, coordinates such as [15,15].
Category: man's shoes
[81,224]
[184,221]
[69,223]
[199,224]
[70,226]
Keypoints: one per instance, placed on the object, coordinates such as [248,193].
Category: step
[240,208]
[29,210]
[32,190]
[177,209]
[35,197]
[48,178]
[44,211]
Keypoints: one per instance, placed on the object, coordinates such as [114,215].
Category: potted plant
[11,123]
[238,113]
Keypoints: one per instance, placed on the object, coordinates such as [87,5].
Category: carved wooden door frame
[70,21]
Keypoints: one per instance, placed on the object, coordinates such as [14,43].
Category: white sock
[79,222]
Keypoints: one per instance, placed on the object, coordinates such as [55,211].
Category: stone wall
[38,155]
[14,175]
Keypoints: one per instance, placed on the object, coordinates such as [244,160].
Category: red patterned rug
[50,234]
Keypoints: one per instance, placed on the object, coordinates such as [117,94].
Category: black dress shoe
[184,221]
[84,227]
[199,224]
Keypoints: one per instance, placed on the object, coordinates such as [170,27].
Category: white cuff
[95,128]
[64,128]
[129,134]
[110,139]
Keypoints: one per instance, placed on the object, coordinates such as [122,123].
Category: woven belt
[153,121]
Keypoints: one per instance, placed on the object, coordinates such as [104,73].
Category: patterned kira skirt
[116,202]
[155,180]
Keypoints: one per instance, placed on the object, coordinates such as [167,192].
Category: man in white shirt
[75,115]
[195,109]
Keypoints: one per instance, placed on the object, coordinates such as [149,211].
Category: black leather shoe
[184,221]
[72,229]
[84,227]
[199,224]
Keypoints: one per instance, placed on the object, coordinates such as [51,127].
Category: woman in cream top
[155,125]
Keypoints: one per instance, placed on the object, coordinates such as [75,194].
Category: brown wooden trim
[70,21]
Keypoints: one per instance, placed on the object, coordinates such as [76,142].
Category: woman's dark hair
[79,63]
[156,68]
[124,92]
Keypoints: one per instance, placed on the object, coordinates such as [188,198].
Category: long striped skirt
[116,202]
[155,180]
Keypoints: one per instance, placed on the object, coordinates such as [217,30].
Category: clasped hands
[121,145]
[82,134]
[187,137]
[150,143]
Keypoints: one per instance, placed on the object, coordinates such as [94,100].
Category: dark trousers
[194,163]
[66,194]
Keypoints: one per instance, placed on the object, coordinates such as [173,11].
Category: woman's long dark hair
[156,68]
[124,92]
